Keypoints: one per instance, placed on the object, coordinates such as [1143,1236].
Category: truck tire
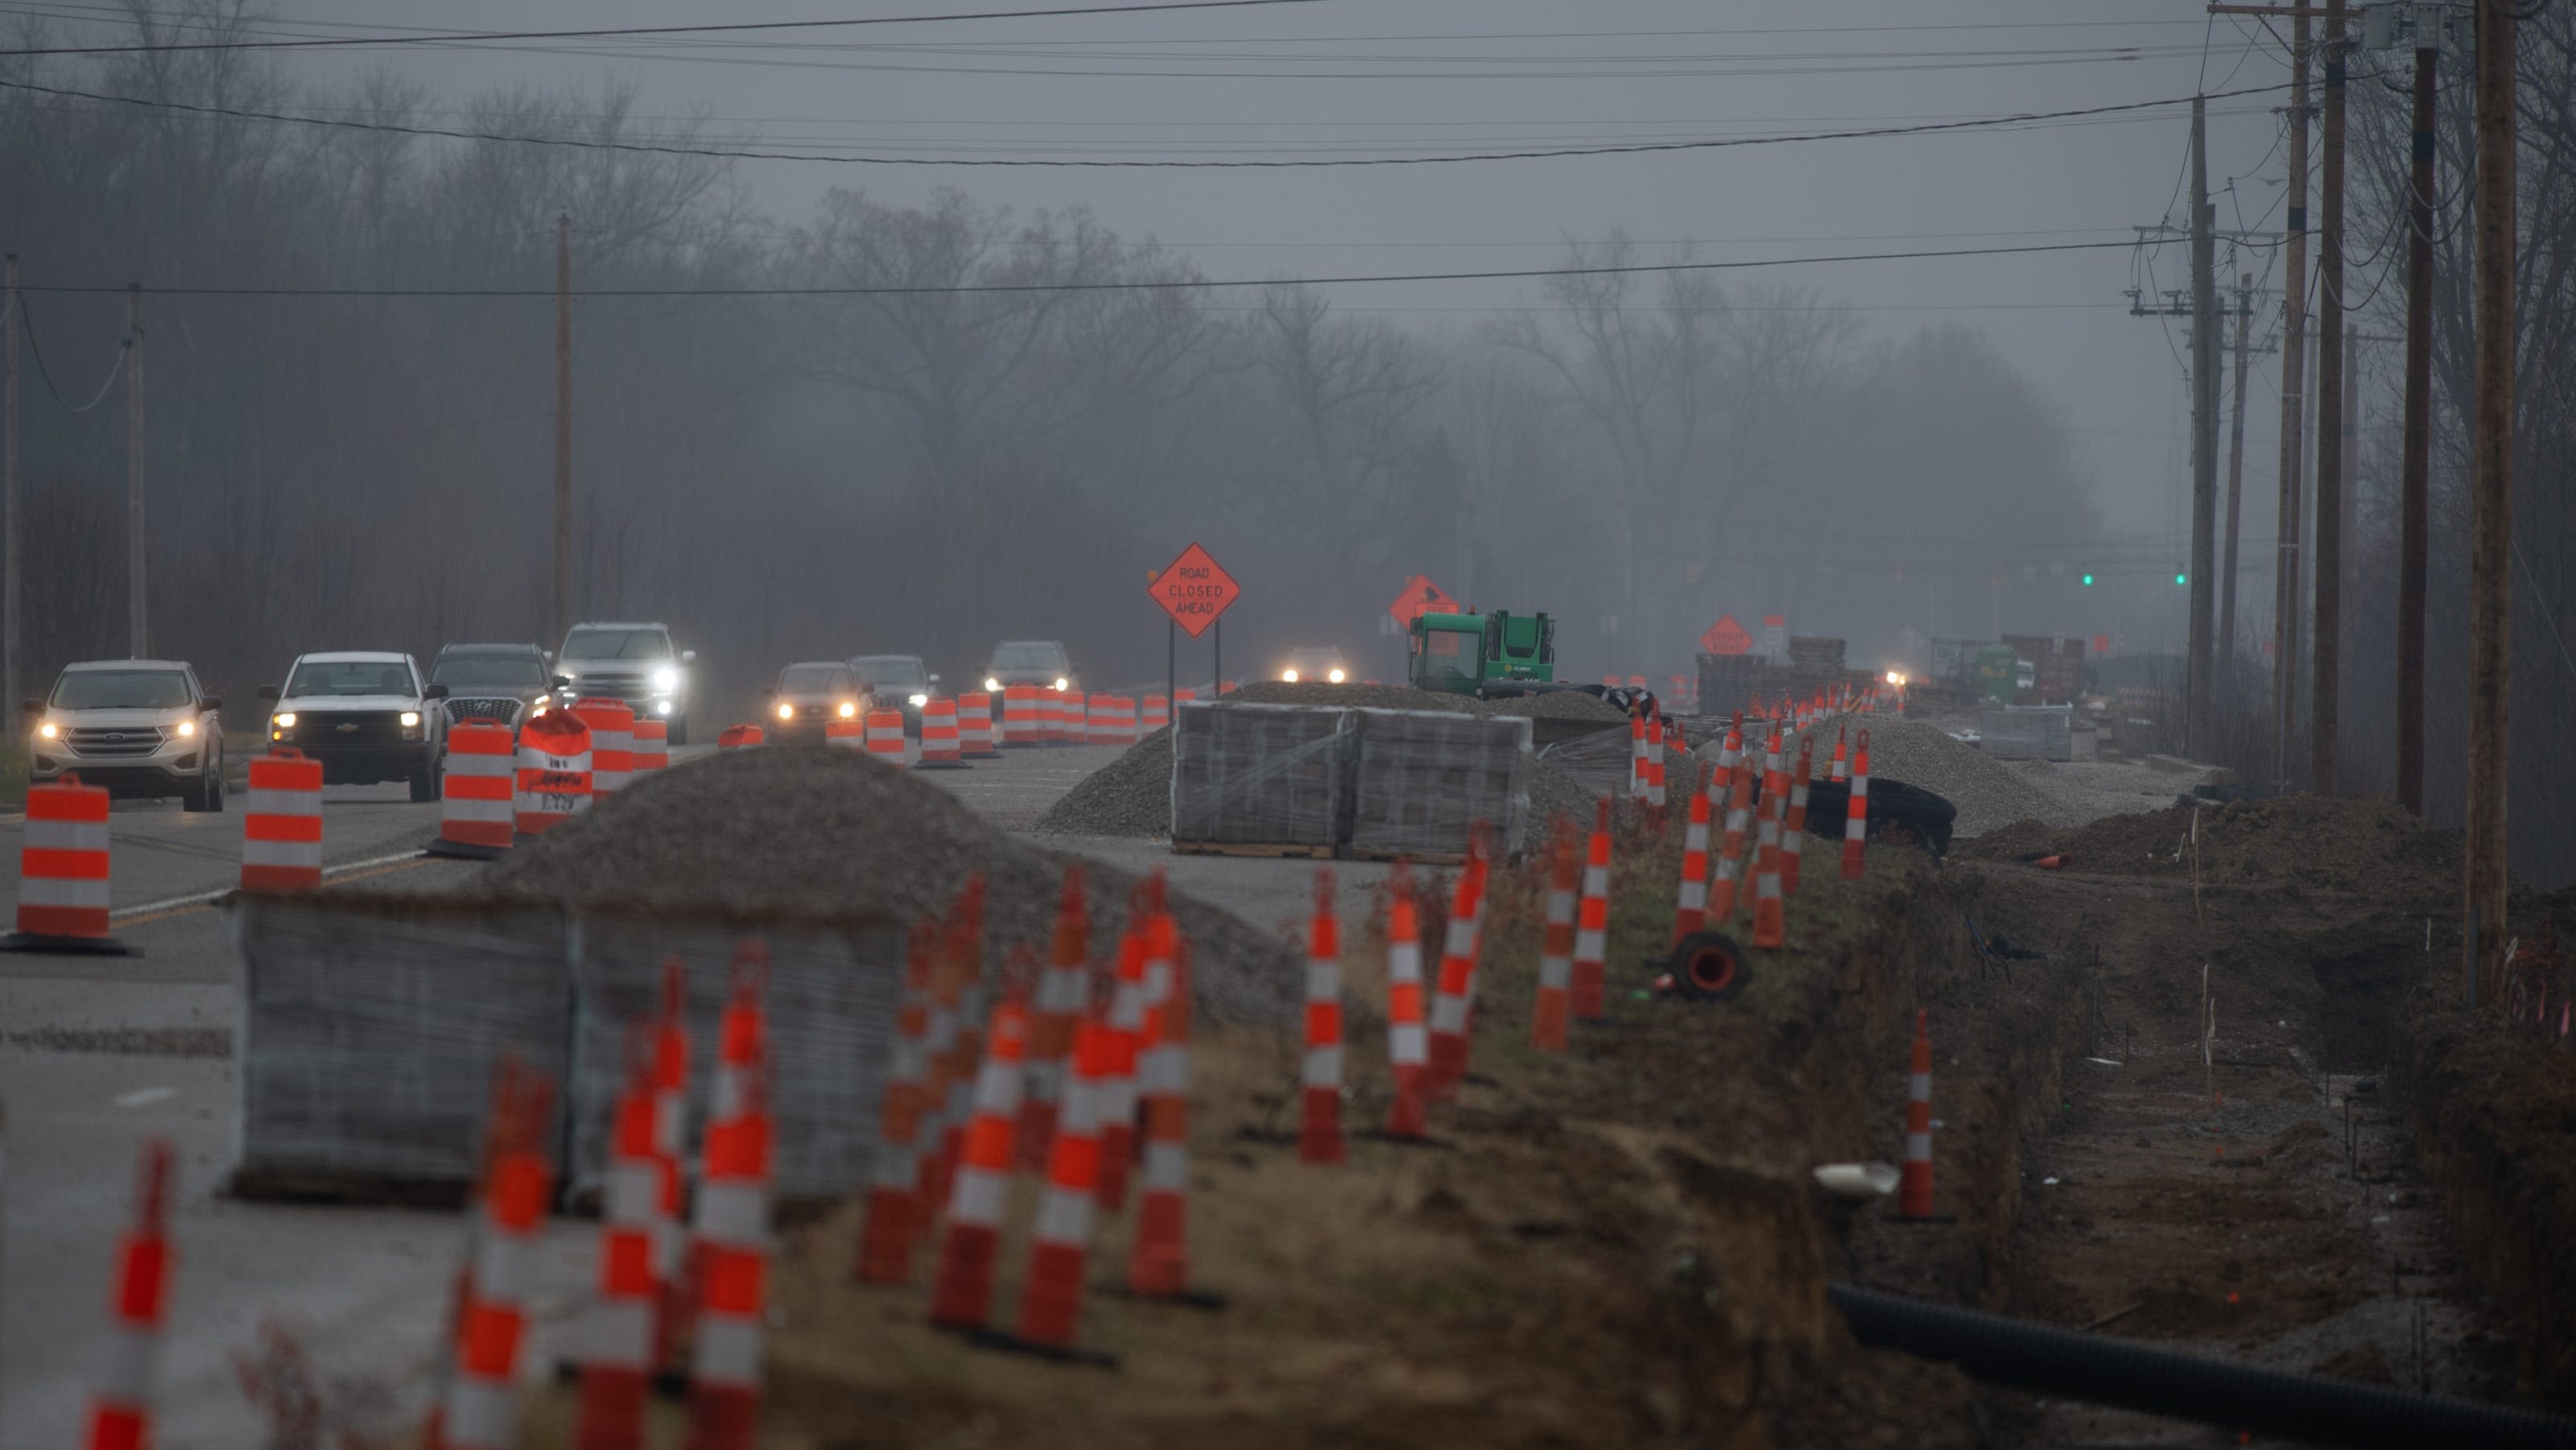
[425,782]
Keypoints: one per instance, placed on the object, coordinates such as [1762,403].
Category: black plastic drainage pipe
[2122,1373]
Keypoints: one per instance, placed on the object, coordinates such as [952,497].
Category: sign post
[1194,589]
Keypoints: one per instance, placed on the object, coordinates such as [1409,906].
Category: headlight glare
[1289,675]
[786,711]
[50,730]
[187,728]
[666,679]
[1333,675]
[991,684]
[918,700]
[1062,683]
[283,720]
[849,709]
[411,719]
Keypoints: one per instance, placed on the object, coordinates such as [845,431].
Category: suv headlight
[666,679]
[50,730]
[917,701]
[991,684]
[187,728]
[411,719]
[1062,683]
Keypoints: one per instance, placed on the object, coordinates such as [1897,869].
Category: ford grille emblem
[116,739]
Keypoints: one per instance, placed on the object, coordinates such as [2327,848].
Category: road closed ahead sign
[1193,590]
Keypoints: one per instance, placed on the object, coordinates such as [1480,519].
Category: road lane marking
[143,1097]
[198,901]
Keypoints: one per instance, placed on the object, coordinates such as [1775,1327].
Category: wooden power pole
[2235,485]
[2491,504]
[137,636]
[2292,507]
[563,426]
[2204,440]
[2325,679]
[9,636]
[2414,506]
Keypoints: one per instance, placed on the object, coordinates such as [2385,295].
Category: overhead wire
[124,350]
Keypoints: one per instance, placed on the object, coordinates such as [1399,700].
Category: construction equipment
[1489,656]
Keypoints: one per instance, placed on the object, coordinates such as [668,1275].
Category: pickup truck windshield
[1029,655]
[348,677]
[121,690]
[890,670]
[507,672]
[617,644]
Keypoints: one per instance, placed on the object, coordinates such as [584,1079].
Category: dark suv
[495,684]
[366,715]
[633,662]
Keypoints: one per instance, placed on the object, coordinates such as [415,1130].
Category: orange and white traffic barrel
[961,1296]
[476,810]
[1914,1181]
[482,1403]
[1063,991]
[1793,831]
[1100,720]
[62,872]
[1159,1265]
[1128,733]
[612,743]
[886,742]
[1319,1133]
[1059,1251]
[282,829]
[1407,1044]
[1455,988]
[894,1169]
[940,742]
[1555,1002]
[1856,813]
[652,749]
[120,1405]
[735,737]
[617,1354]
[975,726]
[1050,717]
[1592,922]
[846,733]
[730,1227]
[1072,718]
[1022,723]
[1158,713]
[554,772]
[1184,693]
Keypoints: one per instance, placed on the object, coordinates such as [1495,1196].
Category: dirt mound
[2368,845]
[1130,796]
[810,829]
[1558,704]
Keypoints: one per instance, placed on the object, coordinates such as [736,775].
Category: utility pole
[9,636]
[2235,482]
[2414,507]
[563,425]
[137,635]
[2204,437]
[2294,323]
[2326,678]
[2491,504]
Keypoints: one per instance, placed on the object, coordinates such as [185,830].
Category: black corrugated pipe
[2128,1375]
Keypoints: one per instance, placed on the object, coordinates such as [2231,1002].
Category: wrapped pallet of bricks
[2028,733]
[829,993]
[1256,779]
[371,1028]
[1422,779]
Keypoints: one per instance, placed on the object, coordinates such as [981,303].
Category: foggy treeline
[785,477]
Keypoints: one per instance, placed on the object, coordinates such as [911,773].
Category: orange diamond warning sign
[1194,590]
[1420,597]
[1726,637]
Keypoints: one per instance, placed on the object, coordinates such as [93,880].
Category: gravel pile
[1987,792]
[1132,795]
[812,829]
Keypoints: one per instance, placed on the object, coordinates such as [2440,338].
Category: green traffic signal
[2182,578]
[2088,581]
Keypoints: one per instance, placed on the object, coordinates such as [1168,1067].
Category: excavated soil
[2369,845]
[807,828]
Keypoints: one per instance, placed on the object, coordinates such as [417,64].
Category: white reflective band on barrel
[482,1414]
[1766,884]
[1696,837]
[733,1214]
[728,1095]
[1323,980]
[1449,1014]
[669,1113]
[1461,940]
[1127,1007]
[1694,894]
[1406,1043]
[1167,1167]
[1158,982]
[459,809]
[1064,1217]
[281,853]
[978,1197]
[1555,971]
[126,1360]
[618,1334]
[1085,1107]
[728,1351]
[64,836]
[504,1264]
[266,802]
[1919,1087]
[459,763]
[1323,1067]
[634,1193]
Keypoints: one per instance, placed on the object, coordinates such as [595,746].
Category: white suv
[142,729]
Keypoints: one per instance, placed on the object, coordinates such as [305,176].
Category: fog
[795,438]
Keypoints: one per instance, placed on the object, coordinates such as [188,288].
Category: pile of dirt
[804,828]
[1132,795]
[2369,845]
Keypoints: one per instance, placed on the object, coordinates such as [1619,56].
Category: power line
[665,149]
[650,30]
[124,350]
[1176,285]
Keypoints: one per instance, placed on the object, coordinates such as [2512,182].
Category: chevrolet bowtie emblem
[347,729]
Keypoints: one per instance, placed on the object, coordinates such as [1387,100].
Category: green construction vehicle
[1486,655]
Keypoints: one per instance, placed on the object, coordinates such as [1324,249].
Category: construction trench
[1623,1244]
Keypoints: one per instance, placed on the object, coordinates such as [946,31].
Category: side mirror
[934,679]
[434,692]
[546,654]
[563,682]
[688,656]
[268,692]
[32,707]
[211,702]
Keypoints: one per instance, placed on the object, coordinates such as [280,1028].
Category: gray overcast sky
[1421,75]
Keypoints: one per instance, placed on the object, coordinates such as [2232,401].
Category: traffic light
[2088,581]
[2181,577]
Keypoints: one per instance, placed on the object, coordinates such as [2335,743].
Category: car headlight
[1062,683]
[411,719]
[918,700]
[661,707]
[539,708]
[991,684]
[283,720]
[786,711]
[1289,675]
[1334,676]
[666,679]
[187,728]
[50,730]
[849,709]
